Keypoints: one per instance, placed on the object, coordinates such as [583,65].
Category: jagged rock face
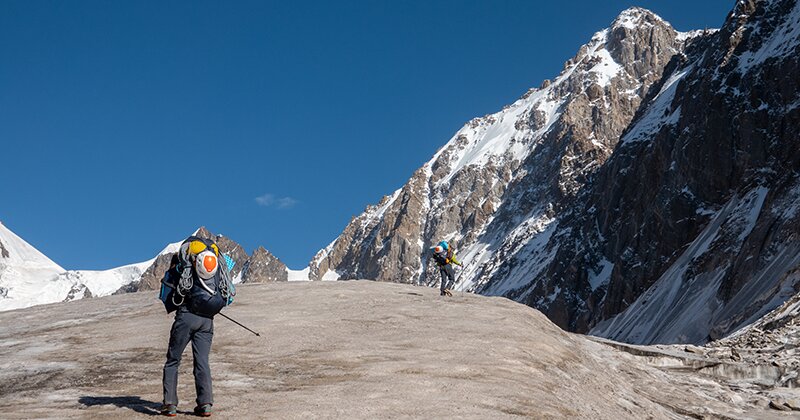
[380,245]
[151,279]
[568,279]
[263,267]
[693,220]
[686,232]
[503,177]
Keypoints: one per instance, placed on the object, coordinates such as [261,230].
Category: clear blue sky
[126,125]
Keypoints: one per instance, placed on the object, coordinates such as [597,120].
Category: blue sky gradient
[126,125]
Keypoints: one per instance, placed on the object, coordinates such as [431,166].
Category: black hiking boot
[203,410]
[169,410]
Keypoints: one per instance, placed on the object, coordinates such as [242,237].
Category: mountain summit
[21,267]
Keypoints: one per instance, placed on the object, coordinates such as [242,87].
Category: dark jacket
[445,257]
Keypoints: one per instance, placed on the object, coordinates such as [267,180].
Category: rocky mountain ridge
[715,230]
[647,194]
[506,175]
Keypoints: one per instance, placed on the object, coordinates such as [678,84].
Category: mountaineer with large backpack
[196,287]
[445,258]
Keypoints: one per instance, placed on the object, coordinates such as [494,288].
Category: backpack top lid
[194,246]
[197,245]
[206,264]
[444,245]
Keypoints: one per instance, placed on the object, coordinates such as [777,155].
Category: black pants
[448,277]
[199,330]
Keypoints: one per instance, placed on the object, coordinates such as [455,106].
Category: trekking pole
[239,324]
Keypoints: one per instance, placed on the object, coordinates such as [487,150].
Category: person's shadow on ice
[134,403]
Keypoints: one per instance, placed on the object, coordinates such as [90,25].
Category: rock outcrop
[263,267]
[151,279]
[78,291]
[3,251]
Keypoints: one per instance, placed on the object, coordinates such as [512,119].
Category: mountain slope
[503,178]
[712,234]
[689,229]
[648,194]
[27,275]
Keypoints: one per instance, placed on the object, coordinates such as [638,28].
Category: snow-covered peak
[14,250]
[508,135]
[27,276]
[636,17]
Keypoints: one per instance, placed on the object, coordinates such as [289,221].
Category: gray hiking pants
[199,330]
[448,277]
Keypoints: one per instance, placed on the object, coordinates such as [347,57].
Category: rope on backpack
[184,285]
[224,285]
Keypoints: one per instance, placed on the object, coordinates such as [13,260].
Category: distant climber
[445,258]
[196,287]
